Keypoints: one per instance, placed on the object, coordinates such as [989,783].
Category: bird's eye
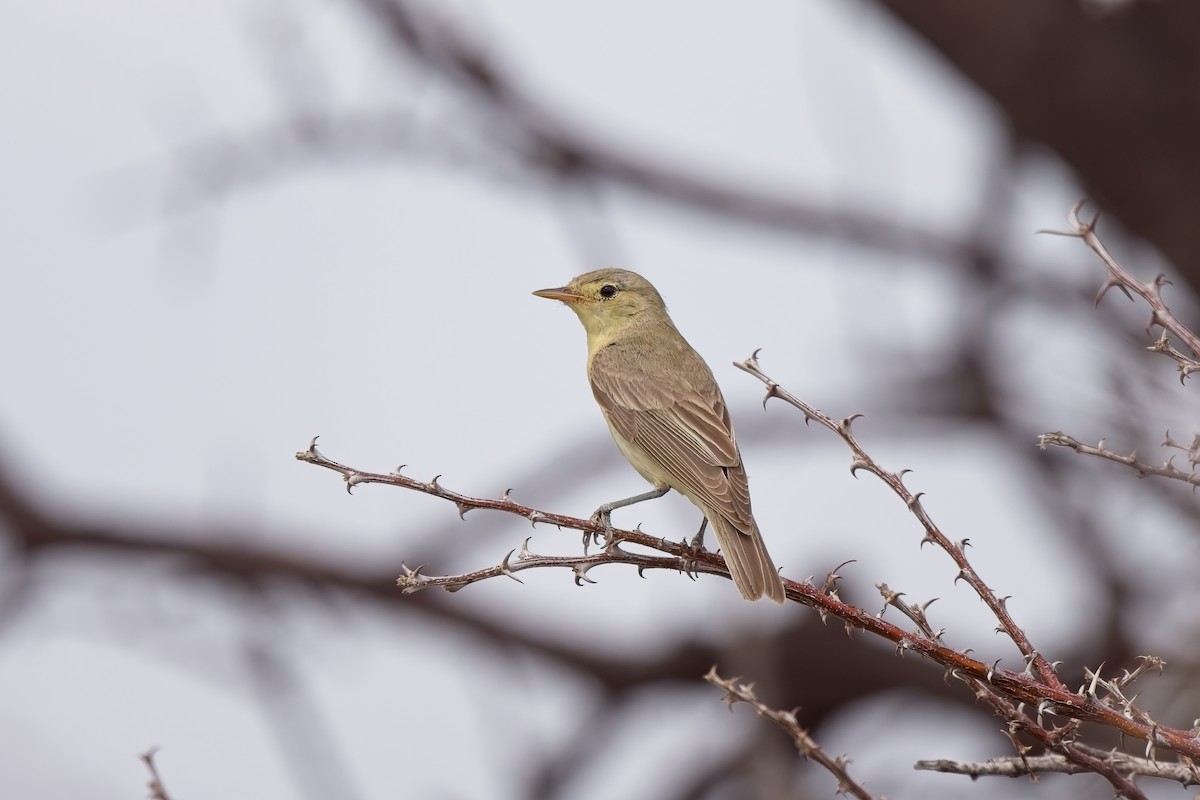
[607,290]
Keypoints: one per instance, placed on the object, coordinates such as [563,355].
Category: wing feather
[680,421]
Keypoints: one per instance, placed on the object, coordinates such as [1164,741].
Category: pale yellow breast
[646,466]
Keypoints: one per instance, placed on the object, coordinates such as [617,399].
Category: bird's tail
[753,572]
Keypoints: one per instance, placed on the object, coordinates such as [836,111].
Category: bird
[666,412]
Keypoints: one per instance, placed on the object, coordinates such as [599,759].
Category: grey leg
[698,539]
[603,514]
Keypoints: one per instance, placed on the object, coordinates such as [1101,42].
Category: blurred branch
[301,731]
[1101,88]
[744,693]
[157,790]
[510,133]
[547,142]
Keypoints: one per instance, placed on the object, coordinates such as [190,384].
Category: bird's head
[608,301]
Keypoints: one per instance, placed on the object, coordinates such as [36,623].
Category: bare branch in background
[157,790]
[786,720]
[1151,292]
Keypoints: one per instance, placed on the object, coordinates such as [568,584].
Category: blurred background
[228,227]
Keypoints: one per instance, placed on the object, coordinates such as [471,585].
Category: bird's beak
[560,293]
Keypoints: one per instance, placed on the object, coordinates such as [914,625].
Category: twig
[157,790]
[1183,772]
[744,693]
[895,480]
[1140,468]
[1151,292]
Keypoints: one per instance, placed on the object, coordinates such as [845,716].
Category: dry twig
[1151,292]
[1183,772]
[157,790]
[1140,468]
[744,693]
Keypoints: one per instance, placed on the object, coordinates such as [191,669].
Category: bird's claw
[698,540]
[603,517]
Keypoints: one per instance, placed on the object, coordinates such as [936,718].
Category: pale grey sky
[168,366]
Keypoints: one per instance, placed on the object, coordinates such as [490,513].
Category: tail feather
[746,555]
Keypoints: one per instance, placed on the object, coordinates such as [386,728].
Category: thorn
[1110,284]
[581,577]
[433,484]
[507,496]
[352,480]
[1044,707]
[463,508]
[1029,659]
[398,470]
[914,501]
[857,464]
[505,569]
[992,669]
[845,423]
[772,391]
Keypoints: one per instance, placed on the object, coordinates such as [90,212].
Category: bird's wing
[679,419]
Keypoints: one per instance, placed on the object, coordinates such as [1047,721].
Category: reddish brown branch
[895,481]
[1016,687]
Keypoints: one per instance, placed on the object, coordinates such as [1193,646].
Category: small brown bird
[667,415]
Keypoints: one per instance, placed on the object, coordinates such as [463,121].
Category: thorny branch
[1060,739]
[1012,688]
[1183,772]
[1140,468]
[895,481]
[1165,319]
[744,693]
[1151,292]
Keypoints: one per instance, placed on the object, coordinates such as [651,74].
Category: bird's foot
[603,517]
[698,539]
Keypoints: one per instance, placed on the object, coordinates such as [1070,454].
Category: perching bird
[667,415]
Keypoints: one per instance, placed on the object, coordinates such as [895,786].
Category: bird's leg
[698,539]
[696,546]
[603,514]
